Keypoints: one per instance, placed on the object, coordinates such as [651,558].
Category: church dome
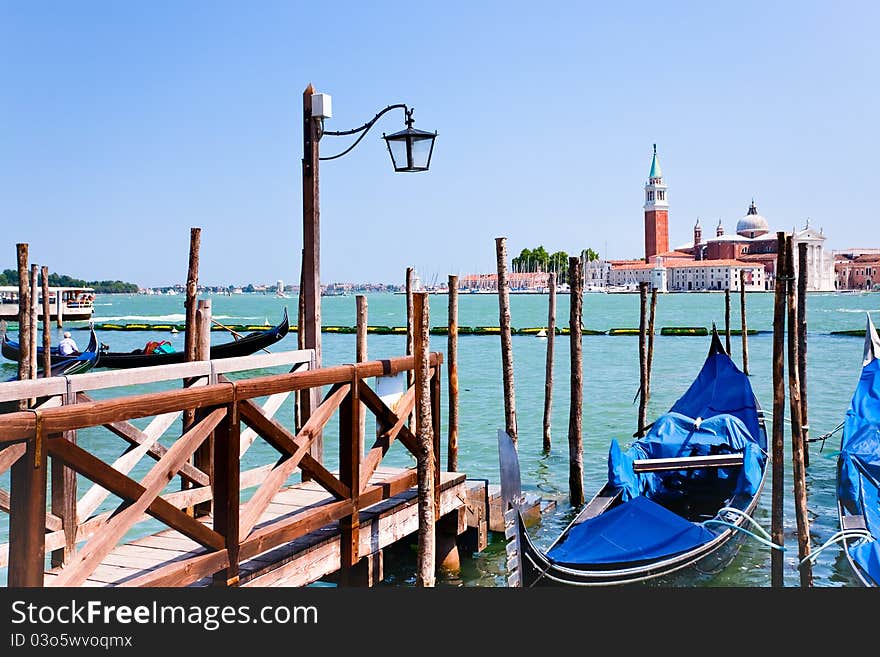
[753,224]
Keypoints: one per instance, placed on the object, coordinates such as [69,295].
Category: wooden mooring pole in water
[506,347]
[802,347]
[35,295]
[452,374]
[299,395]
[203,458]
[727,320]
[361,356]
[408,283]
[548,367]
[575,426]
[192,289]
[652,313]
[777,454]
[643,359]
[47,331]
[742,312]
[797,444]
[24,317]
[427,556]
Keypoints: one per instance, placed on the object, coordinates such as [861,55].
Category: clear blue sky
[122,124]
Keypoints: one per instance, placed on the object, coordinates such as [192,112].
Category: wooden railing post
[64,496]
[226,487]
[350,456]
[203,458]
[27,516]
[435,423]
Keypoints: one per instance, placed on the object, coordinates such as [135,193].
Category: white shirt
[67,346]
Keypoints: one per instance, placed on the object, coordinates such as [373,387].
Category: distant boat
[77,303]
[60,365]
[858,469]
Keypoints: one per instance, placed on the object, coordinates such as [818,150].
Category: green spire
[655,166]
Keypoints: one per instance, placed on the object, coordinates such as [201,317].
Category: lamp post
[410,151]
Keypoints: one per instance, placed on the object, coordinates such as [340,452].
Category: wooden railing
[37,446]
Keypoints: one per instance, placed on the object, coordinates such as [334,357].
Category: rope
[826,436]
[842,535]
[764,537]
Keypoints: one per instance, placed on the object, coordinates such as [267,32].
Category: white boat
[75,303]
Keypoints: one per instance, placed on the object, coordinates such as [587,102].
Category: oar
[235,333]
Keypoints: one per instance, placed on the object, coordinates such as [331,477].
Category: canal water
[611,374]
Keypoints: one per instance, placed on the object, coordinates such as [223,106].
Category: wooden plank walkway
[297,563]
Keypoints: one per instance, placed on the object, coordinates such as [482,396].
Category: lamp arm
[364,129]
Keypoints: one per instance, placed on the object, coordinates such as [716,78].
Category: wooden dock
[224,525]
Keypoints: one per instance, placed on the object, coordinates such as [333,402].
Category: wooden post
[311,264]
[797,444]
[651,317]
[643,359]
[59,309]
[408,282]
[299,395]
[802,347]
[360,357]
[506,346]
[350,456]
[727,320]
[452,374]
[24,317]
[227,446]
[548,366]
[575,436]
[424,430]
[777,456]
[47,335]
[203,458]
[27,515]
[192,286]
[742,312]
[35,296]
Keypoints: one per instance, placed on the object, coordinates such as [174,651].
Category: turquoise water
[610,381]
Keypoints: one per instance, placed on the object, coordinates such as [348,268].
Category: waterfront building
[857,269]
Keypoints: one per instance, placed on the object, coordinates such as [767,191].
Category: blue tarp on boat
[638,530]
[859,463]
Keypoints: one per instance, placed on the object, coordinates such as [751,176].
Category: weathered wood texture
[803,277]
[425,435]
[795,408]
[548,363]
[24,309]
[652,315]
[361,356]
[452,376]
[506,347]
[47,324]
[643,359]
[777,453]
[727,320]
[575,431]
[35,294]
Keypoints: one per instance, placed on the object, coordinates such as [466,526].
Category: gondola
[858,469]
[679,498]
[247,345]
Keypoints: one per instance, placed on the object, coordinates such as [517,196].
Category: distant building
[714,263]
[857,269]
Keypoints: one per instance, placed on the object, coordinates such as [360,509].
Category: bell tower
[656,212]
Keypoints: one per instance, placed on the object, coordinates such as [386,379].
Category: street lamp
[410,151]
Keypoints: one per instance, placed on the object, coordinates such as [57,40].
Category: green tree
[589,255]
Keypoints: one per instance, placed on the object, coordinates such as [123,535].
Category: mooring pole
[797,444]
[360,357]
[190,337]
[409,332]
[575,424]
[651,316]
[643,359]
[742,312]
[300,395]
[47,334]
[427,556]
[727,320]
[777,455]
[35,295]
[548,366]
[203,458]
[24,316]
[452,374]
[506,345]
[802,347]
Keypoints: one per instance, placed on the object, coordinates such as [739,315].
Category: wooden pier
[260,526]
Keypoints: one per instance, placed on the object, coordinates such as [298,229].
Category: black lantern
[410,149]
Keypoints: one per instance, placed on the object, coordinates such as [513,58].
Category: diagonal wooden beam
[288,444]
[10,455]
[158,426]
[392,430]
[389,417]
[143,497]
[295,454]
